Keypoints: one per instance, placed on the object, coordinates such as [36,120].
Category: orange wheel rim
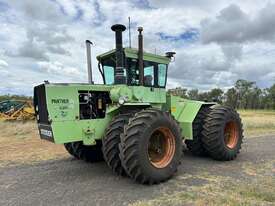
[161,147]
[231,135]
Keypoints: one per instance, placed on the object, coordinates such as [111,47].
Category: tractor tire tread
[212,140]
[111,140]
[196,145]
[131,138]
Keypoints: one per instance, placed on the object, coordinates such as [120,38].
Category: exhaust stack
[119,77]
[89,62]
[140,56]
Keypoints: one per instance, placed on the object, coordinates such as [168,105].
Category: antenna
[129,27]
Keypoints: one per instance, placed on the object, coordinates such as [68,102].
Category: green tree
[243,88]
[216,95]
[231,98]
[271,91]
[193,94]
[179,91]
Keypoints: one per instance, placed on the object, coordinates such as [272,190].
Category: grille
[40,105]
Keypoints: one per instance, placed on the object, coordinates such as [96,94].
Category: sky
[216,42]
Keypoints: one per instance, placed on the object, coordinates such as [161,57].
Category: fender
[185,111]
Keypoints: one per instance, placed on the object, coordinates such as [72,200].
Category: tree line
[243,95]
[15,97]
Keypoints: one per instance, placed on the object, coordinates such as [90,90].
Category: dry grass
[259,122]
[20,143]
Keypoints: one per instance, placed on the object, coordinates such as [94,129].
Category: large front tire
[111,140]
[222,133]
[151,147]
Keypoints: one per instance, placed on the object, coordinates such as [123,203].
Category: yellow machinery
[16,110]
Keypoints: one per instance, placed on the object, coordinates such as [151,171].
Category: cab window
[109,74]
[149,76]
[162,73]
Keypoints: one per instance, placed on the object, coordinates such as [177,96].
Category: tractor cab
[128,66]
[154,68]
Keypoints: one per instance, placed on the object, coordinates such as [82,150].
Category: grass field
[259,122]
[19,142]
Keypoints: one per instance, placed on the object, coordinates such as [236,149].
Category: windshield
[155,74]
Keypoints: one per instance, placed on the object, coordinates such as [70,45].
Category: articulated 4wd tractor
[130,121]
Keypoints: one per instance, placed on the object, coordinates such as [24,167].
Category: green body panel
[140,94]
[133,53]
[185,112]
[63,109]
[64,116]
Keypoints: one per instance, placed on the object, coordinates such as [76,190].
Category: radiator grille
[40,104]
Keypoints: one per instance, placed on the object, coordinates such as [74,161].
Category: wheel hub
[231,135]
[161,148]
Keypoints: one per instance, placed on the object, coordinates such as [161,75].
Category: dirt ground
[36,172]
[20,144]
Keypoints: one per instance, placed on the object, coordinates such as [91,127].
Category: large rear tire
[87,153]
[196,145]
[151,147]
[111,140]
[222,133]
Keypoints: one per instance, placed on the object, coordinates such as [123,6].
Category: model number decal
[46,132]
[60,101]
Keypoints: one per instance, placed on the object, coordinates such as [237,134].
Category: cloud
[232,25]
[3,64]
[216,42]
[232,52]
[201,67]
[198,4]
[38,10]
[57,68]
[42,40]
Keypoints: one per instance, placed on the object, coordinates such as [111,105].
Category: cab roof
[133,53]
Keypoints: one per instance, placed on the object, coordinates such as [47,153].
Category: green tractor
[130,121]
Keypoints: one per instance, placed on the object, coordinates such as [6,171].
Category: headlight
[121,100]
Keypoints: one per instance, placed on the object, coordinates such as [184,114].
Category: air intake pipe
[89,62]
[119,72]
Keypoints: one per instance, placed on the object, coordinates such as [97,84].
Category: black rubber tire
[196,145]
[91,153]
[214,132]
[134,146]
[111,140]
[70,150]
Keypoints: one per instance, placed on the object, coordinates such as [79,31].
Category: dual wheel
[217,132]
[147,145]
